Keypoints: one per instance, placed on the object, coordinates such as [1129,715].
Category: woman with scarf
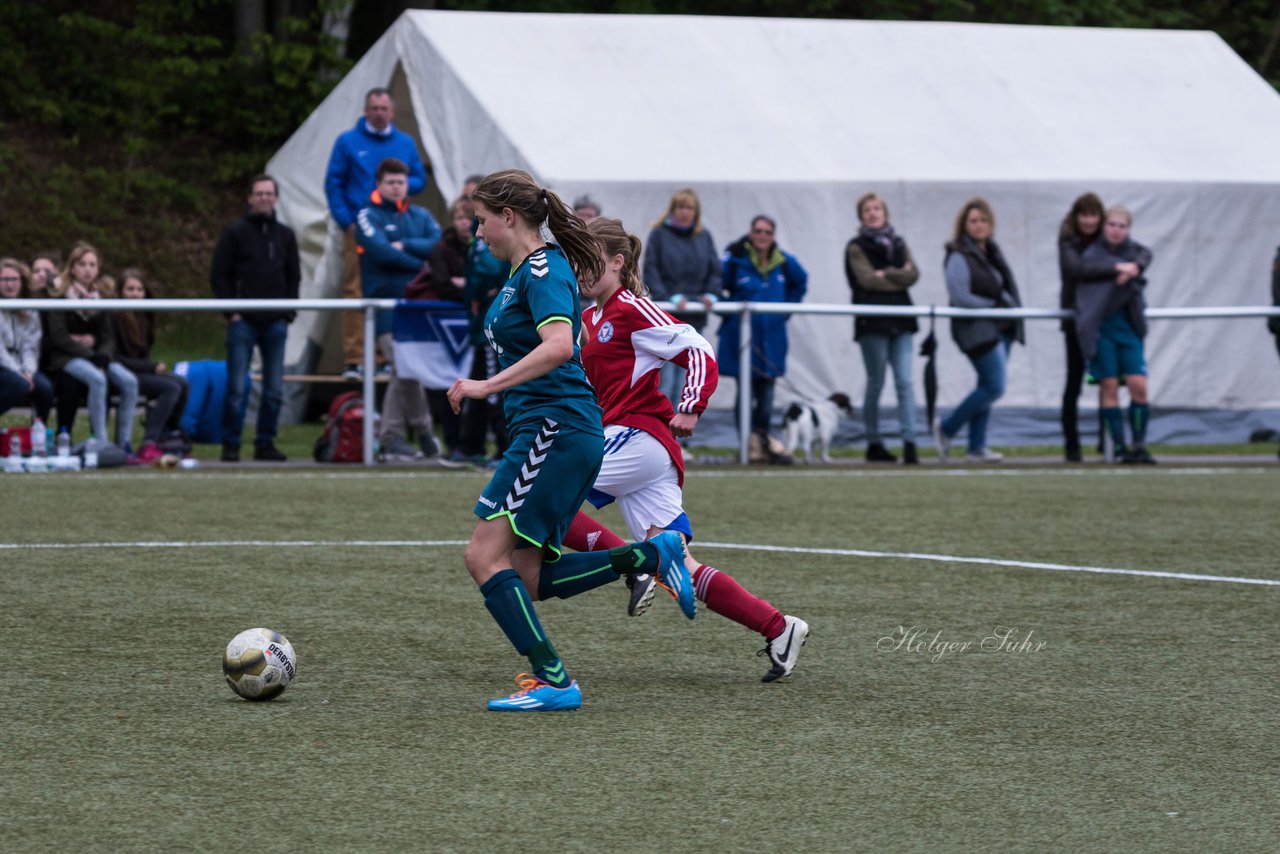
[135,335]
[756,270]
[879,268]
[681,264]
[82,345]
[978,277]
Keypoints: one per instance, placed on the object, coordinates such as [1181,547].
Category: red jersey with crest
[625,344]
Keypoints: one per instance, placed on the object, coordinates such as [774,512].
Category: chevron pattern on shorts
[532,465]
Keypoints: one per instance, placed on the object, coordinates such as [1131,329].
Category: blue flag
[432,343]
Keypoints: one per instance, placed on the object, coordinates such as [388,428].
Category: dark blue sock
[634,557]
[1139,415]
[576,573]
[512,609]
[1115,424]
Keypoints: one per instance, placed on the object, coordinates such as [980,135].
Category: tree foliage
[145,76]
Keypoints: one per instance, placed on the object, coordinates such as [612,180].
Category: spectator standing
[880,271]
[586,208]
[449,279]
[20,334]
[82,346]
[396,239]
[449,257]
[1273,323]
[756,270]
[349,180]
[1079,229]
[1111,323]
[135,336]
[978,277]
[681,263]
[485,277]
[256,258]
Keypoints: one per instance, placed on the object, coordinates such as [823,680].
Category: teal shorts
[542,481]
[1119,350]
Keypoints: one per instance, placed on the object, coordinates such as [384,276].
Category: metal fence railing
[370,307]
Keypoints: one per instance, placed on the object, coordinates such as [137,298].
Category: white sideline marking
[233,544]
[988,561]
[987,471]
[985,561]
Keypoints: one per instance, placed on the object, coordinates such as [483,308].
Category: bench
[323,378]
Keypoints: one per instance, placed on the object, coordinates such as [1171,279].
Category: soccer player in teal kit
[557,441]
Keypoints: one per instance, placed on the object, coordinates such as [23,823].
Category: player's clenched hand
[463,389]
[683,424]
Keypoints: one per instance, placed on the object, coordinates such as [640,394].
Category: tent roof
[648,97]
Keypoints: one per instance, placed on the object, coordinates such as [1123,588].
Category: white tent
[796,118]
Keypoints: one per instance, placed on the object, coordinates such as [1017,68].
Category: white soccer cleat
[784,650]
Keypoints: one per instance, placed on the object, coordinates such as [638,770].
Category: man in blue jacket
[347,185]
[395,239]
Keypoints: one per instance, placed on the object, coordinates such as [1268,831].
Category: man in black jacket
[256,258]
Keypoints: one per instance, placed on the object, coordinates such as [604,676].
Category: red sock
[724,595]
[587,535]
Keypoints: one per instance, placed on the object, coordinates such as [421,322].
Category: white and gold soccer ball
[259,664]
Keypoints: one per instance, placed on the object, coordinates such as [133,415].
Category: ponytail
[571,234]
[515,189]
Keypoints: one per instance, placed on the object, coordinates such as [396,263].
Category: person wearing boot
[880,271]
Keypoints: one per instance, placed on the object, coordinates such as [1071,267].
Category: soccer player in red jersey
[625,340]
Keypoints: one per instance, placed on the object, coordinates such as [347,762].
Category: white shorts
[638,473]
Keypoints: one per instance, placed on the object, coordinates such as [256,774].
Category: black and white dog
[806,422]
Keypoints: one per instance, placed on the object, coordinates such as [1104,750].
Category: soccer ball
[259,664]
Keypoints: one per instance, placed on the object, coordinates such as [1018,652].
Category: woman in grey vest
[978,277]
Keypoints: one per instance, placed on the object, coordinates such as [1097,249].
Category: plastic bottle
[38,438]
[13,462]
[64,443]
[91,453]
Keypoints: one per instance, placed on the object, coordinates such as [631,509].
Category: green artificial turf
[1143,723]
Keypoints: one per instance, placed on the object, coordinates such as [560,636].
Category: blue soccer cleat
[672,575]
[537,696]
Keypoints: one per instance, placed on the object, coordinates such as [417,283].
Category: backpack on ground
[343,438]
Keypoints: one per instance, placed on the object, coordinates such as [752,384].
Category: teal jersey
[540,290]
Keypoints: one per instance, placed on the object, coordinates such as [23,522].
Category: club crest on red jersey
[605,333]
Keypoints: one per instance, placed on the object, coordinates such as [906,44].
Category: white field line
[988,561]
[983,561]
